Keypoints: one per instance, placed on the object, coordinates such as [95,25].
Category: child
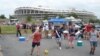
[36,36]
[93,40]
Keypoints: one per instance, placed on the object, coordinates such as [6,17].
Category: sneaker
[92,53]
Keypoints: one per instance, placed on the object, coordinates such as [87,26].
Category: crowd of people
[69,31]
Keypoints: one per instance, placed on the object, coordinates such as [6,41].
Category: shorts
[35,44]
[58,39]
[93,43]
[71,38]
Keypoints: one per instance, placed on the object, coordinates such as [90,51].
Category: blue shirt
[72,32]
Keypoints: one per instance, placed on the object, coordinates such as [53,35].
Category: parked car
[97,27]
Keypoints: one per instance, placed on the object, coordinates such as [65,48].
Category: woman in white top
[93,40]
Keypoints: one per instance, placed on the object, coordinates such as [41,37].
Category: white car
[77,26]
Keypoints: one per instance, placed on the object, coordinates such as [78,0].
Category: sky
[8,7]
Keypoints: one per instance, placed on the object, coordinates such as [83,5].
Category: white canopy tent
[73,19]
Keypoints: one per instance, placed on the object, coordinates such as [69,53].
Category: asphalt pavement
[12,47]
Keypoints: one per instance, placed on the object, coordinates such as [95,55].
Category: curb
[1,51]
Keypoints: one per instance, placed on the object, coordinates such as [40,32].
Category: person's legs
[38,49]
[85,35]
[19,32]
[94,47]
[59,44]
[58,40]
[91,50]
[16,33]
[71,42]
[32,51]
[33,46]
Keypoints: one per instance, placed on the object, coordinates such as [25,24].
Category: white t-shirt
[93,36]
[46,27]
[52,27]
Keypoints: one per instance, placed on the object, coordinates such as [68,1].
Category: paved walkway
[12,47]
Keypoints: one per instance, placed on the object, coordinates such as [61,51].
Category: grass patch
[8,29]
[11,29]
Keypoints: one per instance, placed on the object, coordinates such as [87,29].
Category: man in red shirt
[18,30]
[88,28]
[36,36]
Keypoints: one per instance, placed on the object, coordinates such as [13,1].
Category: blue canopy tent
[58,20]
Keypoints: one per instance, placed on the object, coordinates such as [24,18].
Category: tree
[73,14]
[94,20]
[46,17]
[97,21]
[29,19]
[61,16]
[2,16]
[11,17]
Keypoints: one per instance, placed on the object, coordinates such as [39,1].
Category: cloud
[8,6]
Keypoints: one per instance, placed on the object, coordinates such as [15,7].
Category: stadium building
[40,13]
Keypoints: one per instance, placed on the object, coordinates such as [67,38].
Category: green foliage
[61,16]
[2,16]
[29,19]
[11,17]
[94,20]
[73,14]
[45,17]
